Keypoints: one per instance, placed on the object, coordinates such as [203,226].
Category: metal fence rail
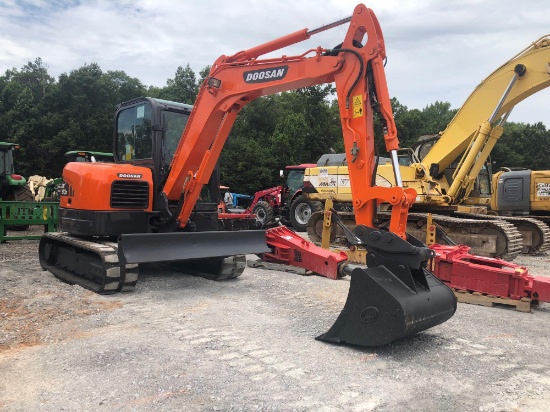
[17,216]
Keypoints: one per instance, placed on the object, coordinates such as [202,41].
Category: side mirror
[281,173]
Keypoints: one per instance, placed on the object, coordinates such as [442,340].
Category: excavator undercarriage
[106,266]
[535,234]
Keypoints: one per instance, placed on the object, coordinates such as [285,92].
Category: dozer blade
[381,309]
[166,247]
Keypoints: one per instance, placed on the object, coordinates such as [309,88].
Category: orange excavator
[152,204]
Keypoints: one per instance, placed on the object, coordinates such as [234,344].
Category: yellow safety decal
[358,106]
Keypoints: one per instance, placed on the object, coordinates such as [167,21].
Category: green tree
[520,146]
[182,88]
[24,111]
[287,128]
[83,106]
[203,75]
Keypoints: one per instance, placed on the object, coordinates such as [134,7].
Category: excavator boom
[492,99]
[235,81]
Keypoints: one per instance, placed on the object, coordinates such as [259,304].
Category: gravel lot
[185,343]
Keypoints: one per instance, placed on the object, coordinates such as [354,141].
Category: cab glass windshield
[173,124]
[134,133]
[295,180]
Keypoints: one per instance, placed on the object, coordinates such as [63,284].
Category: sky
[438,50]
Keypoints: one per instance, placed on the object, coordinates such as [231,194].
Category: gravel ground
[185,343]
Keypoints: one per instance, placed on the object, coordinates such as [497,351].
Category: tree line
[48,117]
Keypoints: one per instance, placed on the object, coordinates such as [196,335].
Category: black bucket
[380,308]
[395,297]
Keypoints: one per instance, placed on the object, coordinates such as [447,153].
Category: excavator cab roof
[157,101]
[86,156]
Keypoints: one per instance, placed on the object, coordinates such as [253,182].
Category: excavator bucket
[380,308]
[394,297]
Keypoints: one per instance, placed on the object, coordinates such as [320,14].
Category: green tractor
[13,187]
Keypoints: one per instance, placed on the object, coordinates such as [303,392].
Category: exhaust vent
[129,194]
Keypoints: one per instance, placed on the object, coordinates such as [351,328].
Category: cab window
[134,140]
[173,124]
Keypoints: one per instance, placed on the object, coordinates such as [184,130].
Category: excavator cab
[148,132]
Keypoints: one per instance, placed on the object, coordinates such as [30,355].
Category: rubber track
[513,238]
[535,224]
[232,267]
[116,278]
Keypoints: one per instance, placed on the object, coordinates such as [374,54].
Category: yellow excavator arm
[472,134]
[475,129]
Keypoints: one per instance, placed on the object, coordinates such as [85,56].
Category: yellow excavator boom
[527,73]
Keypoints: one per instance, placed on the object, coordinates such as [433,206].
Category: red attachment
[16,177]
[271,196]
[459,269]
[290,249]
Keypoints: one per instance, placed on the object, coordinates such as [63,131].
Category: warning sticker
[358,106]
[543,189]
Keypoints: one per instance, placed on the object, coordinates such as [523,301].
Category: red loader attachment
[288,248]
[459,269]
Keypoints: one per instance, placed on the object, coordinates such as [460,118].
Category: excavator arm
[475,129]
[355,66]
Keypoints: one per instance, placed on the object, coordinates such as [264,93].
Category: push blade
[166,247]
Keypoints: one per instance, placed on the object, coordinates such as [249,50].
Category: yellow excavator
[450,173]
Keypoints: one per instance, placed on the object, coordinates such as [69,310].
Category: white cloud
[436,50]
